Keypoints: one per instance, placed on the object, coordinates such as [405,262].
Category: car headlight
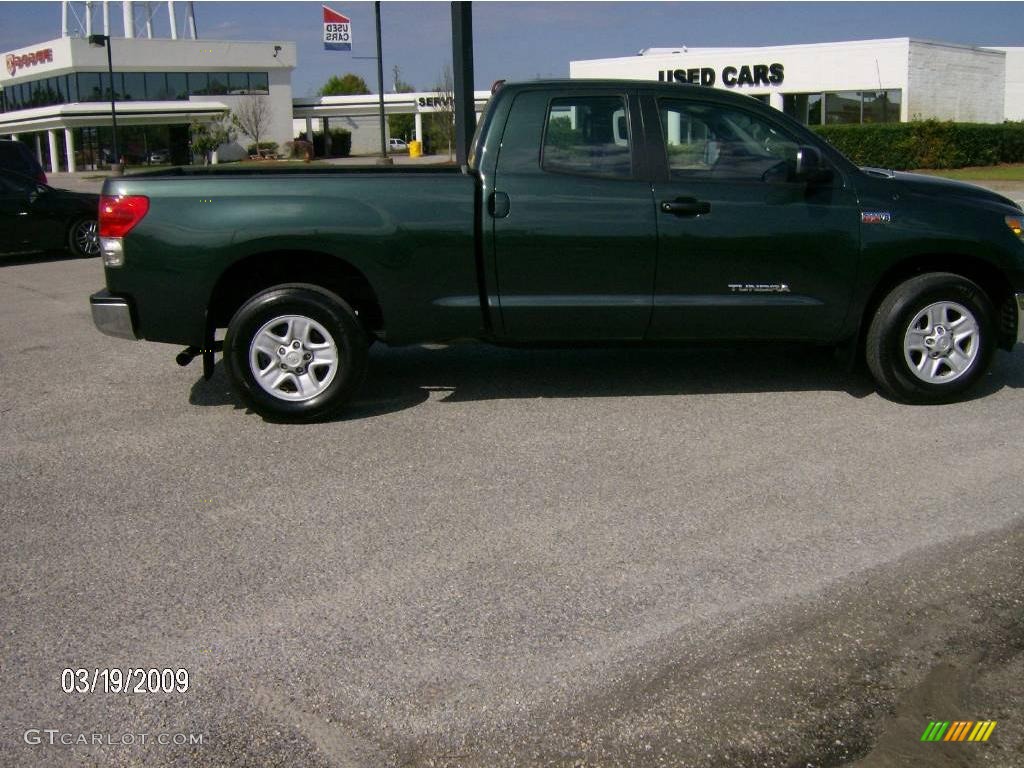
[1016,225]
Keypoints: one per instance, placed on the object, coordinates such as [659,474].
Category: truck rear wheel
[931,338]
[295,353]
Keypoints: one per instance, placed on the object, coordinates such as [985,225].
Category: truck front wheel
[931,338]
[295,353]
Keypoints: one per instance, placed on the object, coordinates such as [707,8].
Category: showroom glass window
[881,106]
[156,86]
[238,83]
[259,83]
[177,85]
[218,83]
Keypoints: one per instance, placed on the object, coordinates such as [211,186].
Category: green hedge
[927,143]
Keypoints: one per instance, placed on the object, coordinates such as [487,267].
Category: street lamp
[103,41]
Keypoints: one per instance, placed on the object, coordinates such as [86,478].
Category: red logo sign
[16,62]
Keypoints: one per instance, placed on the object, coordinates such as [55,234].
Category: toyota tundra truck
[589,211]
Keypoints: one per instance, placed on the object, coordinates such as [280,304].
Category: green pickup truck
[589,212]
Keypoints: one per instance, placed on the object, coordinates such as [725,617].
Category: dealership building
[56,94]
[861,81]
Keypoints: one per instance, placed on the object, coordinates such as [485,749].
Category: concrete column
[675,137]
[775,100]
[54,161]
[128,18]
[309,129]
[14,137]
[64,18]
[39,148]
[149,20]
[327,136]
[190,18]
[419,127]
[106,17]
[69,147]
[88,17]
[173,20]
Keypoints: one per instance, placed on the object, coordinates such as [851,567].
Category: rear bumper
[112,315]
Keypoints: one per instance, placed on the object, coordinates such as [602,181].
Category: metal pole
[113,109]
[380,87]
[462,68]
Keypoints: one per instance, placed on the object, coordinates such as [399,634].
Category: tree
[207,137]
[401,126]
[347,85]
[252,117]
[444,122]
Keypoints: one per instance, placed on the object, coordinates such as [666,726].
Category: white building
[359,114]
[57,93]
[891,80]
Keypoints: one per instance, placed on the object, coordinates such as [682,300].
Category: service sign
[337,31]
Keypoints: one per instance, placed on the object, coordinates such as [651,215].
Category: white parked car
[397,145]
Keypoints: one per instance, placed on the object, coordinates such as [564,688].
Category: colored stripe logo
[958,730]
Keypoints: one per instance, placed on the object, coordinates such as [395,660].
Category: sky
[526,40]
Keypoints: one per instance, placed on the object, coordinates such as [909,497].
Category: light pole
[103,41]
[384,159]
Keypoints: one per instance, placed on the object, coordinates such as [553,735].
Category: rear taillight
[41,178]
[118,216]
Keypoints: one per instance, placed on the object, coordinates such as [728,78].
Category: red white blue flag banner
[337,31]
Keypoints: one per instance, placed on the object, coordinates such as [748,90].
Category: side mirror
[810,167]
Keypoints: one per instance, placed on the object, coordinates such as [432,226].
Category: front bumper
[112,315]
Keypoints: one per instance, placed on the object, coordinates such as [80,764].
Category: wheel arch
[259,271]
[983,273]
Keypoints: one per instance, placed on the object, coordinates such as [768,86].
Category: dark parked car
[36,217]
[15,156]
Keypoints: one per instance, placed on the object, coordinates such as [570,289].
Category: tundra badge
[875,217]
[758,287]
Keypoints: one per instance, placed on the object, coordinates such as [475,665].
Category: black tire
[83,238]
[325,393]
[949,361]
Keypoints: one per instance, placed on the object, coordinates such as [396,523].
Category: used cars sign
[337,31]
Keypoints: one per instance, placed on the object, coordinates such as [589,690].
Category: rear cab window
[588,135]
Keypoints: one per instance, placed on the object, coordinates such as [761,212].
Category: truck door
[743,250]
[573,219]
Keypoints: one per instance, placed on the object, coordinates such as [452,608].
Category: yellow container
[415,149]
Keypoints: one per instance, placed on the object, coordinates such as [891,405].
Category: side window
[705,141]
[588,135]
[14,185]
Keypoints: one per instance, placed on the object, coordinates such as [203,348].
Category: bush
[299,149]
[265,146]
[927,143]
[341,143]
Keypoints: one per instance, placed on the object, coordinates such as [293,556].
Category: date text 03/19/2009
[124,680]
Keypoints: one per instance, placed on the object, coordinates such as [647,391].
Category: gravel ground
[627,557]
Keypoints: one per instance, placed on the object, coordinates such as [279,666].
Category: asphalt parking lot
[620,557]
